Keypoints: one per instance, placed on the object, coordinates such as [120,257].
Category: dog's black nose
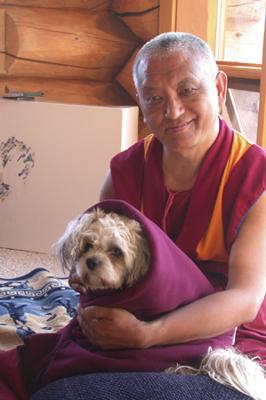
[92,263]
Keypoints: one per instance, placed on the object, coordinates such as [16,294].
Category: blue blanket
[33,303]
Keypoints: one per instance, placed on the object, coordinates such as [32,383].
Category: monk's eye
[116,252]
[188,91]
[153,99]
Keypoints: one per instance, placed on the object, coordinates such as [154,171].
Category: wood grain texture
[124,77]
[75,38]
[74,51]
[129,6]
[70,91]
[141,17]
[145,26]
[2,31]
[31,68]
[2,64]
[88,4]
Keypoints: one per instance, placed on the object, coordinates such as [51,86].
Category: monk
[204,185]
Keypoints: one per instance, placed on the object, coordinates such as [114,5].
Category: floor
[16,263]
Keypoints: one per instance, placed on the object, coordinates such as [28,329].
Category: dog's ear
[61,250]
[69,246]
[65,248]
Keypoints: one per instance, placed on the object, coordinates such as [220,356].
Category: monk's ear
[138,103]
[221,86]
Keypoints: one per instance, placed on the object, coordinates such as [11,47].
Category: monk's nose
[174,108]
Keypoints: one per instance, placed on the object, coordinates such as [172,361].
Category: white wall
[71,146]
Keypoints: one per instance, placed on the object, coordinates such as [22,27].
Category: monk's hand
[111,328]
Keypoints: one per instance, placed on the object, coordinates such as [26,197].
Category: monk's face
[180,100]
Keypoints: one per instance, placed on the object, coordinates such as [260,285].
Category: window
[241,28]
[239,49]
[235,30]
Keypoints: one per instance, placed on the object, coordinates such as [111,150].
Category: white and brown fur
[230,368]
[103,250]
[109,251]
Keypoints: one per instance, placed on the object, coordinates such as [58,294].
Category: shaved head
[168,43]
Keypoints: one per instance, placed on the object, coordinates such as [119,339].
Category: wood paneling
[125,79]
[167,20]
[74,91]
[88,4]
[193,22]
[74,51]
[142,17]
[76,39]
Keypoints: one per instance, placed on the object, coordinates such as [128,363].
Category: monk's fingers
[95,329]
[95,312]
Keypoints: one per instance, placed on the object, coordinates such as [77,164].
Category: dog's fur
[109,251]
[103,250]
[230,368]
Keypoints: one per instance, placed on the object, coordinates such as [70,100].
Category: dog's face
[104,251]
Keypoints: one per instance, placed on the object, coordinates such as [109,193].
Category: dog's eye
[87,247]
[116,252]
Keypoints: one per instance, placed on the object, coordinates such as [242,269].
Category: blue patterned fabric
[137,386]
[35,302]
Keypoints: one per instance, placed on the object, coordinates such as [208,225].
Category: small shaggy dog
[106,251]
[103,251]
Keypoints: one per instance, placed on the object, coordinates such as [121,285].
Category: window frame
[175,15]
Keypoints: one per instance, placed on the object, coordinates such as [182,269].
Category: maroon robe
[204,221]
[173,280]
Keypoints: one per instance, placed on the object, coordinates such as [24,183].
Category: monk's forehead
[165,63]
[178,63]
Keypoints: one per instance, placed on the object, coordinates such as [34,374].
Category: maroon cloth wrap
[173,280]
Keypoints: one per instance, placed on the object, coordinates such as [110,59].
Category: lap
[137,386]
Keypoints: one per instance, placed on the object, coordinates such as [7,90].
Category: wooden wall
[74,51]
